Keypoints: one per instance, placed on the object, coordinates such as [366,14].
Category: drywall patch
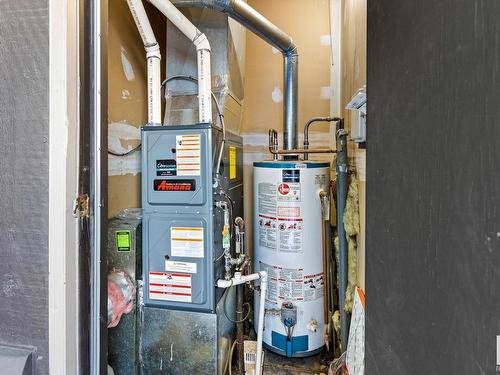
[126,94]
[277,95]
[127,66]
[123,165]
[325,40]
[123,137]
[325,93]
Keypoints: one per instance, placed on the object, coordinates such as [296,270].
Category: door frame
[78,168]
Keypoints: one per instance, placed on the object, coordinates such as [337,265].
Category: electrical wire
[137,148]
[229,359]
[224,309]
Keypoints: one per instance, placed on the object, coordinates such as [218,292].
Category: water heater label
[267,199]
[285,284]
[285,211]
[188,155]
[167,286]
[291,284]
[320,180]
[267,231]
[313,287]
[290,175]
[272,284]
[290,234]
[186,242]
[289,192]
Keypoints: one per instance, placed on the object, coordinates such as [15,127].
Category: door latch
[82,210]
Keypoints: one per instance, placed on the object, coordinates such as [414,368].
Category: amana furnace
[183,251]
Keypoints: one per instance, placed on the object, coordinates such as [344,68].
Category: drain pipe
[241,279]
[341,202]
[153,60]
[251,19]
[203,52]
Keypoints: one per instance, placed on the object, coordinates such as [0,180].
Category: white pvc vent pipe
[203,51]
[153,60]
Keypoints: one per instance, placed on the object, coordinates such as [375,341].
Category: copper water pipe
[322,196]
[273,148]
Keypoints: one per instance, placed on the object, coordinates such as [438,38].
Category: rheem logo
[283,189]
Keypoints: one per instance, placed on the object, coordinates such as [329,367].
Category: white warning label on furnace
[267,231]
[290,234]
[176,266]
[285,284]
[289,192]
[188,155]
[170,286]
[186,242]
[267,199]
[313,287]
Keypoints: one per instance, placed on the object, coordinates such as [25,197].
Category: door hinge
[81,210]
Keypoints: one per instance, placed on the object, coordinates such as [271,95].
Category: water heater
[288,245]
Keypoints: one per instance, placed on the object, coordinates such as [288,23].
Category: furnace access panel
[181,240]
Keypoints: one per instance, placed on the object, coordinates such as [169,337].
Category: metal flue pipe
[260,25]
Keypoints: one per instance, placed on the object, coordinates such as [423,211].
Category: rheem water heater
[288,245]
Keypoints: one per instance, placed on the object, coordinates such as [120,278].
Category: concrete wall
[24,175]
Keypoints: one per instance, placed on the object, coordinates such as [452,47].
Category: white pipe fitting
[241,279]
[203,54]
[153,60]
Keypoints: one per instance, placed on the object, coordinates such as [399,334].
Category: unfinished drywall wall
[24,176]
[307,22]
[353,53]
[127,104]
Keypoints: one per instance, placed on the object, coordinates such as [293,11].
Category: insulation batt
[351,225]
[121,292]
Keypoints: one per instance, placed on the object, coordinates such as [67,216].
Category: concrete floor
[277,365]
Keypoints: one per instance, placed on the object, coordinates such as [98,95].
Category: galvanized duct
[257,23]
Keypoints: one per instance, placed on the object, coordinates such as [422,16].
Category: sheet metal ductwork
[257,23]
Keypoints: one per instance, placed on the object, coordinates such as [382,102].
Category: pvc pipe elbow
[263,276]
[201,42]
[153,51]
